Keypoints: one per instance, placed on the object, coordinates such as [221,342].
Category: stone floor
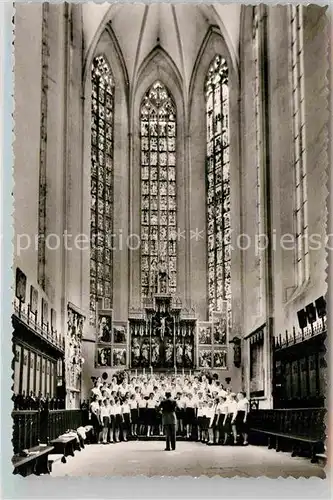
[148,458]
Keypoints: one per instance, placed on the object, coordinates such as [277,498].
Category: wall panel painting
[220,325]
[38,374]
[257,364]
[52,378]
[220,358]
[48,377]
[33,300]
[119,357]
[205,333]
[103,357]
[43,371]
[32,372]
[17,367]
[25,373]
[120,332]
[21,285]
[205,358]
[104,326]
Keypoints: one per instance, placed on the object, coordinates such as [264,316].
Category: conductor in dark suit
[169,420]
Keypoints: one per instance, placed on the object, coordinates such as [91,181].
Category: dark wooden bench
[275,440]
[65,445]
[36,462]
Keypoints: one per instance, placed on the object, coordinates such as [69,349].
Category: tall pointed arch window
[101,224]
[158,191]
[218,187]
[299,141]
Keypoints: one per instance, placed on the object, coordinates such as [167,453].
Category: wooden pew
[36,462]
[65,445]
[304,429]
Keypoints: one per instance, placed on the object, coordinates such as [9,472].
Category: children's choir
[206,411]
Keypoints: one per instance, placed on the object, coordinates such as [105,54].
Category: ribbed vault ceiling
[178,28]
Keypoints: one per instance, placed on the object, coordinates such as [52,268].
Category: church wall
[254,260]
[28,20]
[75,200]
[55,154]
[28,95]
[288,298]
[253,314]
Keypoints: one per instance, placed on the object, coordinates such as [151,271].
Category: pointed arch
[218,186]
[163,63]
[220,210]
[158,190]
[118,166]
[101,178]
[157,67]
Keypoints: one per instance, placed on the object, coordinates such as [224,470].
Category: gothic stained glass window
[299,142]
[102,108]
[218,186]
[158,189]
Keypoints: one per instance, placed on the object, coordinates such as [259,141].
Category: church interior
[170,168]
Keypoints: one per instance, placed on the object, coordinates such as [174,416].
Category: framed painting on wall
[17,368]
[120,332]
[119,357]
[205,358]
[257,367]
[45,312]
[53,320]
[25,374]
[38,372]
[32,372]
[220,358]
[104,326]
[103,357]
[205,332]
[21,285]
[33,300]
[220,325]
[43,385]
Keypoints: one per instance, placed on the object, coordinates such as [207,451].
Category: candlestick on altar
[136,373]
[144,371]
[151,370]
[175,370]
[190,373]
[183,372]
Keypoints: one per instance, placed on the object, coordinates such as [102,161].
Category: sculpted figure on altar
[145,354]
[188,351]
[179,355]
[135,352]
[162,328]
[155,352]
[160,325]
[169,354]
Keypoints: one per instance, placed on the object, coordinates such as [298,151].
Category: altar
[162,334]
